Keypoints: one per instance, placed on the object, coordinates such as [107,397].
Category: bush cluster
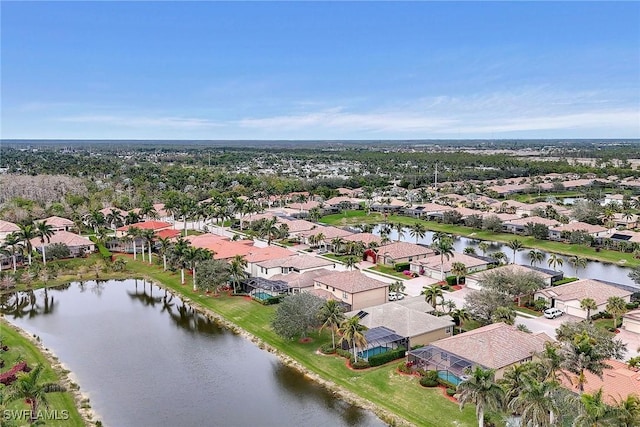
[360,364]
[401,266]
[344,353]
[428,382]
[388,356]
[327,349]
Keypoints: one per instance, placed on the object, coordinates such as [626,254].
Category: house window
[333,289]
[410,258]
[448,330]
[344,295]
[326,286]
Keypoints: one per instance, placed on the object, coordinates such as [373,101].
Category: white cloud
[142,121]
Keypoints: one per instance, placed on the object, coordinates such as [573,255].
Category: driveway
[542,324]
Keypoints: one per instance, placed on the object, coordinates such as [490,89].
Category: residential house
[612,199]
[145,225]
[59,224]
[431,266]
[631,321]
[78,245]
[519,226]
[7,228]
[567,297]
[497,346]
[365,238]
[624,220]
[328,232]
[222,247]
[418,327]
[397,252]
[291,263]
[426,210]
[353,289]
[474,281]
[617,382]
[559,232]
[265,254]
[302,282]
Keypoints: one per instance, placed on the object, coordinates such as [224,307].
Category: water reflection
[123,340]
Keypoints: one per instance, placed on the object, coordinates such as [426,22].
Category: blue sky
[314,70]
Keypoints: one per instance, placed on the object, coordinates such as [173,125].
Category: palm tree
[431,294]
[444,246]
[315,214]
[114,219]
[555,261]
[26,234]
[148,236]
[29,387]
[336,244]
[12,241]
[131,218]
[352,333]
[460,315]
[399,227]
[332,315]
[418,230]
[536,257]
[270,229]
[178,255]
[627,412]
[350,262]
[577,262]
[165,245]
[458,269]
[469,250]
[594,411]
[134,233]
[484,247]
[515,245]
[504,314]
[236,270]
[588,304]
[44,231]
[616,306]
[192,257]
[537,402]
[481,390]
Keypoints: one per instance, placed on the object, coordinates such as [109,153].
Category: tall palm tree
[270,229]
[29,387]
[418,231]
[504,314]
[537,402]
[458,269]
[352,333]
[444,247]
[594,411]
[148,236]
[193,256]
[484,247]
[134,233]
[481,390]
[13,242]
[536,257]
[26,233]
[131,218]
[577,262]
[460,315]
[515,245]
[178,251]
[616,306]
[431,294]
[331,315]
[165,245]
[399,227]
[627,411]
[44,231]
[554,261]
[588,304]
[114,219]
[236,270]
[350,262]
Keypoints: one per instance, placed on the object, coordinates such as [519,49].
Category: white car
[552,313]
[394,296]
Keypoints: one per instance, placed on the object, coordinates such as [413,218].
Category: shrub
[632,305]
[446,383]
[401,266]
[382,358]
[328,349]
[451,280]
[58,251]
[431,375]
[427,382]
[451,391]
[405,367]
[273,300]
[360,364]
[343,353]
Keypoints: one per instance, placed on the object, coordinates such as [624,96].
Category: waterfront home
[624,220]
[631,321]
[7,228]
[567,297]
[354,289]
[338,204]
[297,226]
[397,252]
[559,232]
[612,199]
[418,327]
[78,245]
[265,254]
[222,247]
[329,233]
[365,238]
[426,210]
[59,224]
[302,208]
[497,346]
[519,225]
[291,263]
[431,266]
[474,281]
[301,282]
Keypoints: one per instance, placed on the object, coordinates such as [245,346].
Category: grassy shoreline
[29,349]
[529,242]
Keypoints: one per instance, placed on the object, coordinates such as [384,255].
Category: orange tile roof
[8,227]
[167,233]
[56,221]
[617,382]
[64,237]
[147,225]
[268,253]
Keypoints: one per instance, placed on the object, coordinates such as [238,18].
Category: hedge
[451,391]
[360,364]
[402,266]
[327,348]
[382,358]
[344,353]
[446,383]
[428,382]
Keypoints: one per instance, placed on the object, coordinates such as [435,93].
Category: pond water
[146,359]
[594,269]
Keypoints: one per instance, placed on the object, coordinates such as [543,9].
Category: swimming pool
[262,296]
[372,352]
[448,376]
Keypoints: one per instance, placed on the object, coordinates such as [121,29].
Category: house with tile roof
[7,228]
[558,232]
[430,266]
[78,245]
[519,225]
[497,346]
[365,238]
[302,282]
[419,327]
[59,224]
[474,281]
[396,252]
[353,288]
[567,297]
[617,382]
[292,263]
[145,225]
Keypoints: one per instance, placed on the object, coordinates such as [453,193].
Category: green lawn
[388,270]
[21,348]
[382,386]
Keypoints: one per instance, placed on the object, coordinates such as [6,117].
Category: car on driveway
[395,296]
[552,313]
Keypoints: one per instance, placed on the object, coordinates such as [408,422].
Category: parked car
[394,296]
[552,313]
